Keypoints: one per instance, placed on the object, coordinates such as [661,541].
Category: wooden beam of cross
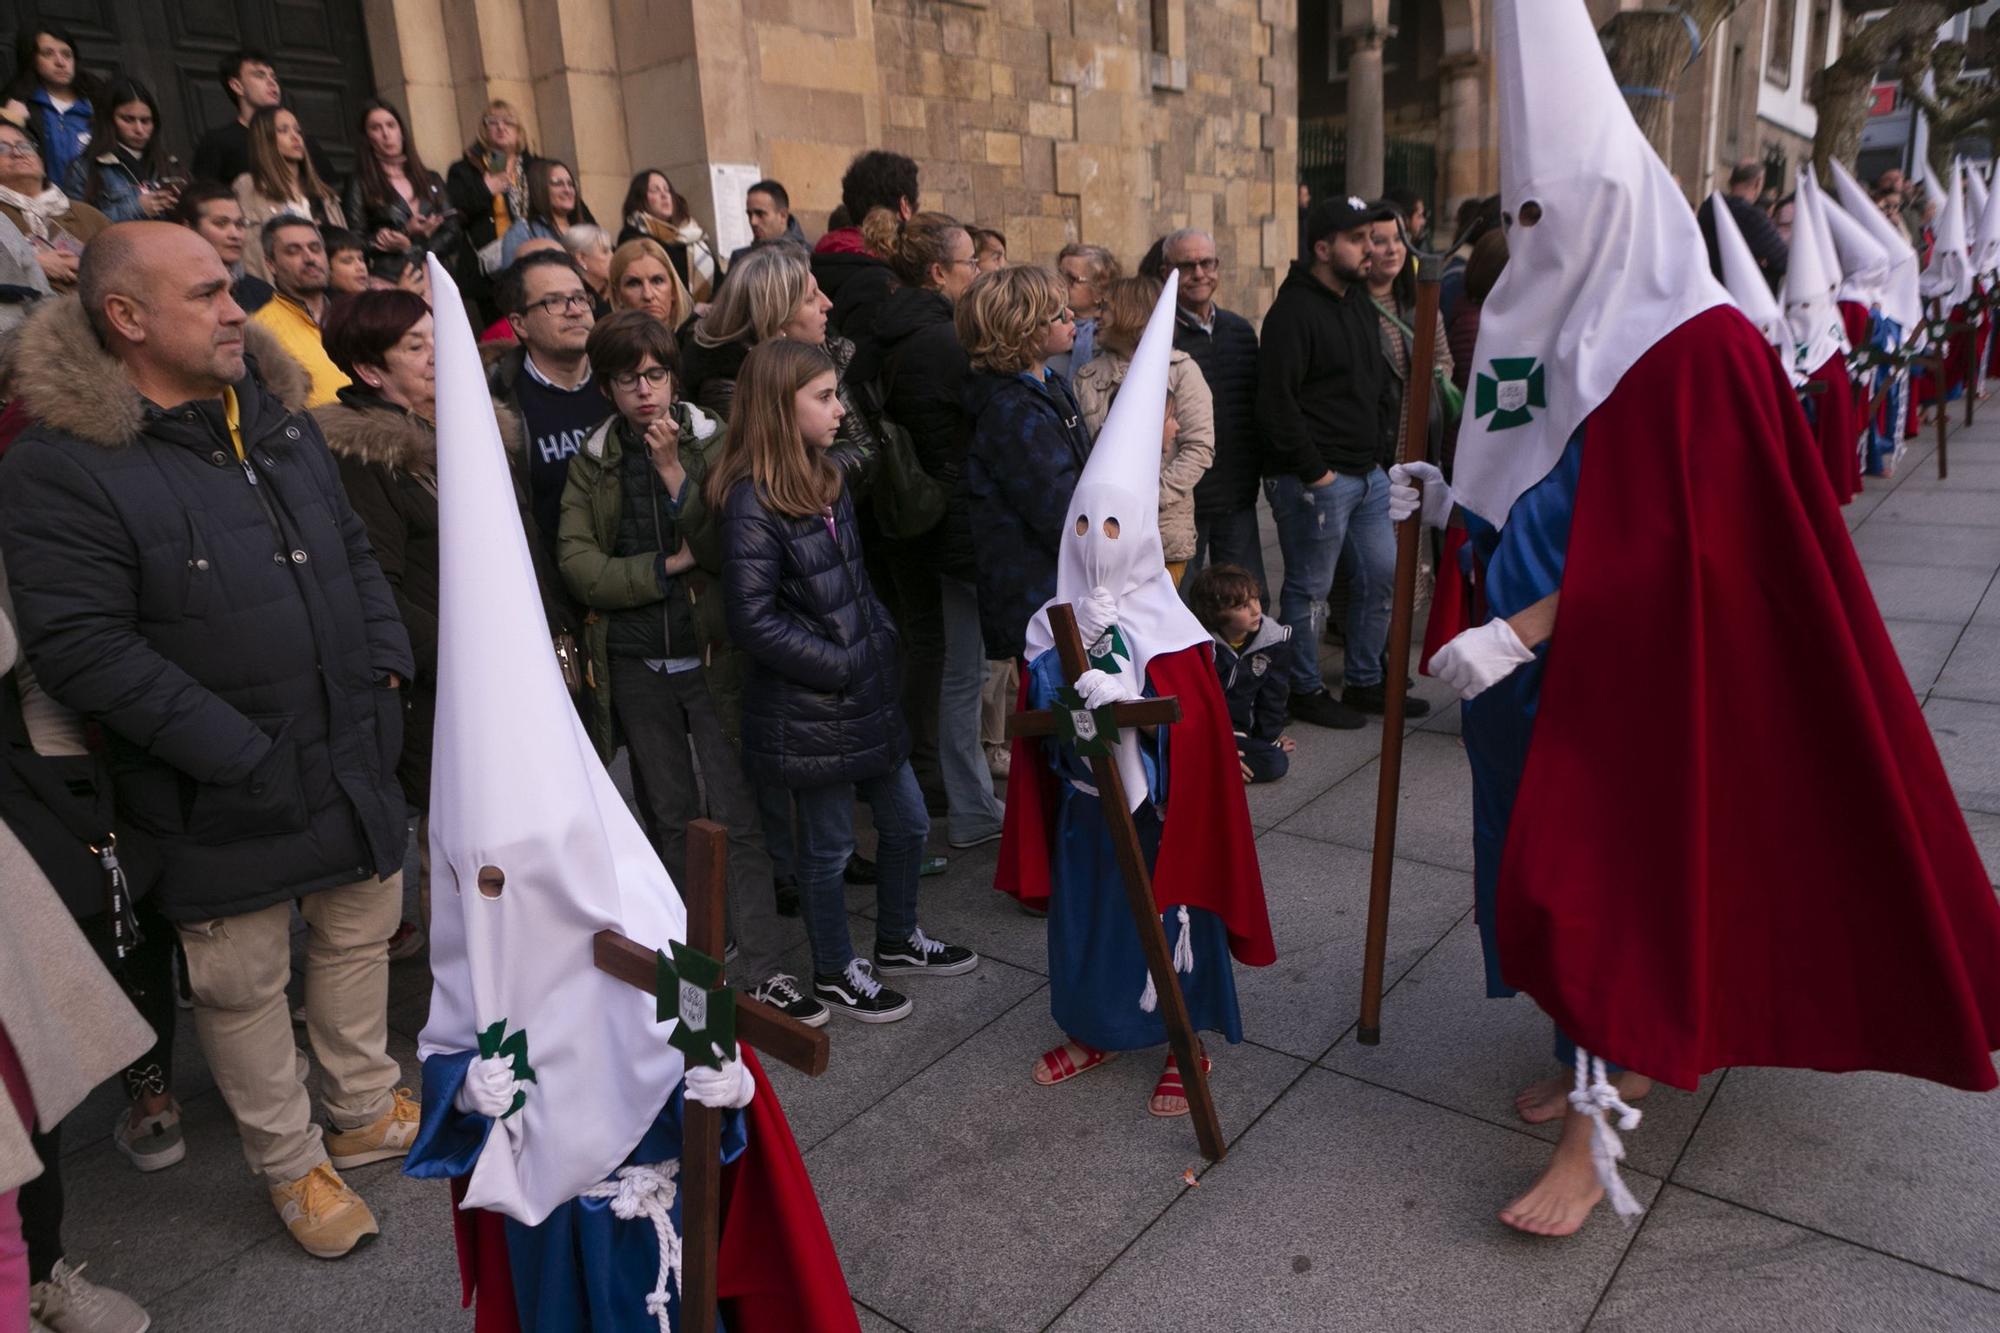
[756,1024]
[1132,869]
[1395,681]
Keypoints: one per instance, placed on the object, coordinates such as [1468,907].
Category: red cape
[1923,384]
[1857,319]
[1208,852]
[1836,427]
[776,1268]
[1733,842]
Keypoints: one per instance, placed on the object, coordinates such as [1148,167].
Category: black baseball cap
[1343,214]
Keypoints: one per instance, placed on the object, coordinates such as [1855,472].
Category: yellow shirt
[232,416]
[298,334]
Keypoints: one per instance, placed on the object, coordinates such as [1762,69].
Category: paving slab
[1968,740]
[1989,607]
[1973,670]
[1908,592]
[972,1200]
[1318,896]
[1434,821]
[1351,1207]
[1323,759]
[1445,1043]
[1972,474]
[1899,1165]
[963,907]
[1702,1263]
[1931,545]
[1923,646]
[1947,506]
[875,1323]
[868,1061]
[1986,833]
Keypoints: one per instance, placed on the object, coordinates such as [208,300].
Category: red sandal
[1170,1086]
[1055,1066]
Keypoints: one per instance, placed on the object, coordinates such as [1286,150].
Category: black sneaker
[1373,699]
[1323,710]
[782,993]
[860,870]
[856,993]
[921,953]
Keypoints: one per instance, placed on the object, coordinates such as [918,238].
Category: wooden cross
[1137,879]
[757,1024]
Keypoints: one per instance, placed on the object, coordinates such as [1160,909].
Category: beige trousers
[237,969]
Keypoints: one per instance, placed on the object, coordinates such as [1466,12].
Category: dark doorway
[173,46]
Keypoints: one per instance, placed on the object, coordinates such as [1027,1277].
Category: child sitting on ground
[1225,600]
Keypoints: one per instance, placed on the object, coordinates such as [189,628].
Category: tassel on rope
[1149,998]
[1595,1097]
[648,1192]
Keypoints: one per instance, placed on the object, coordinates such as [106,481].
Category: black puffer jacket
[1227,355]
[231,638]
[923,371]
[822,702]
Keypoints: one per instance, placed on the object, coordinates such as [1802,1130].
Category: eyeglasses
[562,303]
[655,377]
[18,150]
[1063,316]
[1189,267]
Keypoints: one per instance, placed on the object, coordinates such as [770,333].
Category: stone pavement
[1361,1182]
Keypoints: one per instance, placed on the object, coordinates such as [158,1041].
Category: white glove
[489,1087]
[1095,614]
[726,1088]
[1479,658]
[1099,688]
[1414,485]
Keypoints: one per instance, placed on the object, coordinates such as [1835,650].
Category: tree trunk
[1648,50]
[1840,93]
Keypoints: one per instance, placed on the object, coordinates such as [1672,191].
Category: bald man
[187,573]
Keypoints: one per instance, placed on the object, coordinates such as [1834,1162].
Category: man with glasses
[546,376]
[1224,346]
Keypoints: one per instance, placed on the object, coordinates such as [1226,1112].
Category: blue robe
[581,1268]
[1097,969]
[1522,563]
[1889,408]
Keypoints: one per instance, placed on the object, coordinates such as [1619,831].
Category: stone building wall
[1109,121]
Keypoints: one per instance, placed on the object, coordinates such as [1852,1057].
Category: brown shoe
[390,1136]
[325,1217]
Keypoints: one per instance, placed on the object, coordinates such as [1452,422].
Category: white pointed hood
[1563,325]
[1948,279]
[1986,232]
[1864,263]
[1901,299]
[1744,280]
[1808,196]
[1975,210]
[1809,294]
[517,786]
[1121,485]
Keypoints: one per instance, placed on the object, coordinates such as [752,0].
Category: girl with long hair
[281,180]
[120,175]
[1392,285]
[554,206]
[822,712]
[394,201]
[55,93]
[653,208]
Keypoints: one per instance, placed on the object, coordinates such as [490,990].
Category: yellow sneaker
[390,1136]
[325,1217]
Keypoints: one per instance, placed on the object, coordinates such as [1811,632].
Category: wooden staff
[1396,665]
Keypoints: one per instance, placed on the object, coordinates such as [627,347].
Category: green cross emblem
[496,1041]
[688,989]
[1104,654]
[1090,732]
[1511,393]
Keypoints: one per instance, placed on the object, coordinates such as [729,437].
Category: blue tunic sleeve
[448,1139]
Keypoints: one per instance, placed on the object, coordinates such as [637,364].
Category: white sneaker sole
[884,968]
[869,1015]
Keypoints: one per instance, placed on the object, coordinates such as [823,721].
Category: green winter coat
[587,532]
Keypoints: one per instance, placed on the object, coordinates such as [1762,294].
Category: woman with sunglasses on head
[554,206]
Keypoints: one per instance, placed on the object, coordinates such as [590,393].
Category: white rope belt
[1149,998]
[648,1191]
[1594,1097]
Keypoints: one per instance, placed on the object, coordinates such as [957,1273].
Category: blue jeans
[972,811]
[1231,538]
[1313,523]
[826,840]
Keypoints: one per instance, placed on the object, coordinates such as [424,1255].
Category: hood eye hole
[1082,524]
[492,881]
[1531,213]
[1111,528]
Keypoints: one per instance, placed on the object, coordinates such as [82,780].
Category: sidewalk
[1361,1182]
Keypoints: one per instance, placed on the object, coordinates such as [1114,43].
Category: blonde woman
[489,185]
[1189,446]
[654,209]
[282,180]
[642,278]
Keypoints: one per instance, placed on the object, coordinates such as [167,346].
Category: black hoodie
[1322,379]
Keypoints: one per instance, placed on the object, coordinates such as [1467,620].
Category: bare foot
[1558,1202]
[1539,1103]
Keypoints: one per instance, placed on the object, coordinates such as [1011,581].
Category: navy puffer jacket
[821,703]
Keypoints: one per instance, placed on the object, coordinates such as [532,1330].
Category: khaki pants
[237,969]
